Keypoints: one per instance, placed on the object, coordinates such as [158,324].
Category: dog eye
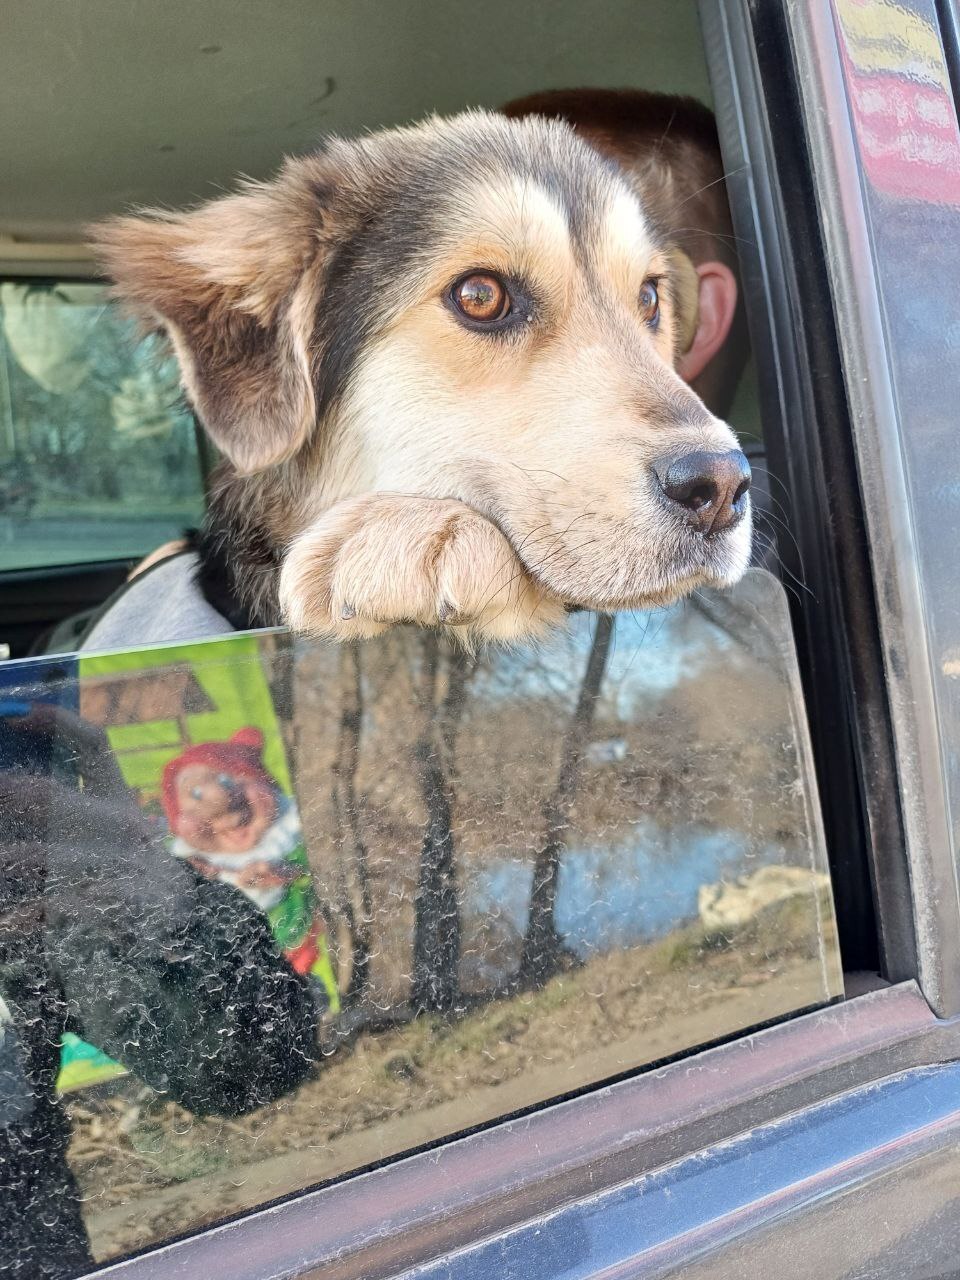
[650,303]
[482,298]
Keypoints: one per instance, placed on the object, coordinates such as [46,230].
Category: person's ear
[717,305]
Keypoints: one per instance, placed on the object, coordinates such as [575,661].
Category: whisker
[663,137]
[544,470]
[779,523]
[780,507]
[771,475]
[706,187]
[525,544]
[714,235]
[783,567]
[646,632]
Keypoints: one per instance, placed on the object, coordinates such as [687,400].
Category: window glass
[98,458]
[903,108]
[276,910]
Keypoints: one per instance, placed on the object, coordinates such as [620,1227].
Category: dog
[438,362]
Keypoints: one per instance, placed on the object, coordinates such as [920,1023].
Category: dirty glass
[98,458]
[903,110]
[273,911]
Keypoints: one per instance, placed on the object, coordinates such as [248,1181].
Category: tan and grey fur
[384,461]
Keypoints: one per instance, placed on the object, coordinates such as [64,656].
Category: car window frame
[810,452]
[442,1197]
[927,895]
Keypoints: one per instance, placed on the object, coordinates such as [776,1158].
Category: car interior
[109,106]
[162,114]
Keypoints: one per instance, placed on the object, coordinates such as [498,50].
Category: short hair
[668,143]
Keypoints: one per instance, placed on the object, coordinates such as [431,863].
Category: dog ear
[233,282]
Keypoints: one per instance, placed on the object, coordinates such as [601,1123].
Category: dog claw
[348,612]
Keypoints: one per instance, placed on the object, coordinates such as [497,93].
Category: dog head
[476,308]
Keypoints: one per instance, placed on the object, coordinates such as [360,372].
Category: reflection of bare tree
[739,623]
[436,939]
[358,902]
[543,950]
[278,663]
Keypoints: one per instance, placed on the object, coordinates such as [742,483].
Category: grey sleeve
[164,606]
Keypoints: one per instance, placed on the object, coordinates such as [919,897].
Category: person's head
[668,146]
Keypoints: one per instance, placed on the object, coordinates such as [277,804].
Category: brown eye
[650,303]
[481,297]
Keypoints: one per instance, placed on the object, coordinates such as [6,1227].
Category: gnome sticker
[232,822]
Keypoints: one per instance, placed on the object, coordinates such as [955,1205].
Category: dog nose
[710,487]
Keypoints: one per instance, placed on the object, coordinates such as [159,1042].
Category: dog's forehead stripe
[541,159]
[413,191]
[511,218]
[626,231]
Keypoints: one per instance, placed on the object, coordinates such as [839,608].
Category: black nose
[710,487]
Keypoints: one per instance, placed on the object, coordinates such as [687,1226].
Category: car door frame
[787,130]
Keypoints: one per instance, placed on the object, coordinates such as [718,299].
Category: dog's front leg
[384,558]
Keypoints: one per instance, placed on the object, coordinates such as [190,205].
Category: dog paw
[376,560]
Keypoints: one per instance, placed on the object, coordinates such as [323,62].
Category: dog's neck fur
[239,556]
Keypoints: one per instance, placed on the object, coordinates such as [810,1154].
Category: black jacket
[104,934]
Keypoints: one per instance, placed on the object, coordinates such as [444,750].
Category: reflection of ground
[149,1170]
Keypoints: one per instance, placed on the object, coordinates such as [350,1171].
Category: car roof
[113,103]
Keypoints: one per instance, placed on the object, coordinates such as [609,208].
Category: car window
[907,144]
[98,457]
[282,910]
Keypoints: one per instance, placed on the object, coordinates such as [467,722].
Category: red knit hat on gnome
[241,756]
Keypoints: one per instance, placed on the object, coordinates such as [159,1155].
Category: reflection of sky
[651,652]
[611,896]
